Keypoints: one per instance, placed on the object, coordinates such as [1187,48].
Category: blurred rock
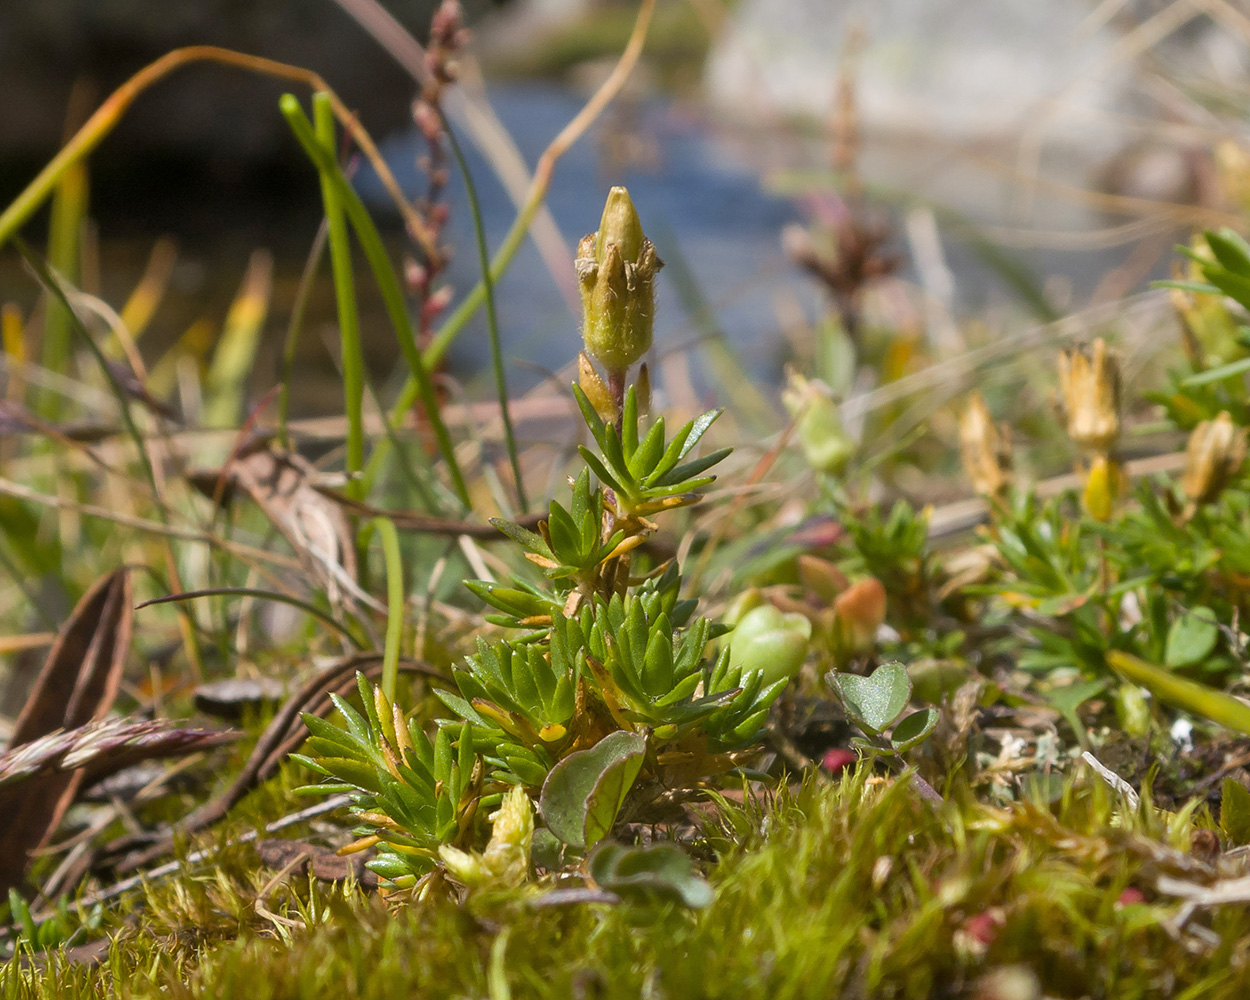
[1059,90]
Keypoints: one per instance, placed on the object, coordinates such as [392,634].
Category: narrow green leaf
[649,452]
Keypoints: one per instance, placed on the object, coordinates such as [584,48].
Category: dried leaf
[230,698]
[78,684]
[313,859]
[80,678]
[284,486]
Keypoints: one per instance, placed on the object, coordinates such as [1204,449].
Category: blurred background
[1010,160]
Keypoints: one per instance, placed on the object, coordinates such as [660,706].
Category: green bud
[826,445]
[616,270]
[748,600]
[769,640]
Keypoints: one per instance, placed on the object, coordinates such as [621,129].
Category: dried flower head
[1215,452]
[985,449]
[1089,381]
[616,269]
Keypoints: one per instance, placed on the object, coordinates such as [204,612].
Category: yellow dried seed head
[1089,382]
[1215,452]
[985,450]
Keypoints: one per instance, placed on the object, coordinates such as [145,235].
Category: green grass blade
[388,285]
[492,318]
[345,298]
[1191,696]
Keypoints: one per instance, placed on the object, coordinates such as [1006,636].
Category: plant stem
[392,296]
[394,603]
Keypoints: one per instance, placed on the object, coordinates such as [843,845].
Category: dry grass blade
[77,685]
[103,748]
[83,671]
[406,520]
[282,485]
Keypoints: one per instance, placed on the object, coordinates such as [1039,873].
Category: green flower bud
[747,601]
[616,270]
[1105,486]
[826,445]
[769,640]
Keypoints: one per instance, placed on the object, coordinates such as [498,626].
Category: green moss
[849,890]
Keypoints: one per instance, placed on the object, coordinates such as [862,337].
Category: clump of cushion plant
[603,706]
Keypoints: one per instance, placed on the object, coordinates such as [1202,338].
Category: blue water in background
[695,199]
[701,198]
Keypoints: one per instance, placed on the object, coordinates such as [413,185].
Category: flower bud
[820,577]
[616,270]
[1132,710]
[986,452]
[1090,385]
[859,612]
[825,443]
[642,389]
[1215,452]
[769,640]
[1105,487]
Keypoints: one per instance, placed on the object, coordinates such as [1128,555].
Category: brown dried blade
[103,748]
[406,520]
[281,484]
[78,683]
